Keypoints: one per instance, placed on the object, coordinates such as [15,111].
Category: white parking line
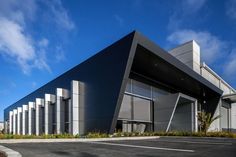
[197,142]
[143,147]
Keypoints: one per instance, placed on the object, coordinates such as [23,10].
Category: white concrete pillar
[31,118]
[39,116]
[6,127]
[60,109]
[24,119]
[10,122]
[19,120]
[70,116]
[189,54]
[15,121]
[48,114]
[233,117]
[77,107]
[196,116]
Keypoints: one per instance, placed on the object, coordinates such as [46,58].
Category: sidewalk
[75,139]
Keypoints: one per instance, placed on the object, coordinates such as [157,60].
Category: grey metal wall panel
[163,109]
[182,119]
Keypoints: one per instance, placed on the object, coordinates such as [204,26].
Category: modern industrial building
[132,85]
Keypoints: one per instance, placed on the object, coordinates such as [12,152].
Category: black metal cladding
[102,75]
[106,73]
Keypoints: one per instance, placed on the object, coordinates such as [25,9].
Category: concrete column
[24,119]
[31,118]
[39,109]
[189,54]
[19,120]
[6,127]
[60,109]
[10,122]
[15,121]
[77,107]
[49,101]
[196,116]
[70,116]
[233,117]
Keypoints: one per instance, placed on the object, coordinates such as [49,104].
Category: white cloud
[211,46]
[119,19]
[34,84]
[59,55]
[174,22]
[184,10]
[192,6]
[60,14]
[231,9]
[41,61]
[213,50]
[230,66]
[17,11]
[16,42]
[43,42]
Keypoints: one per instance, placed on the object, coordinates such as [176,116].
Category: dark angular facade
[105,76]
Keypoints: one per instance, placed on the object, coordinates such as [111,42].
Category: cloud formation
[231,9]
[16,44]
[183,11]
[211,46]
[213,49]
[192,6]
[16,41]
[60,14]
[230,66]
[119,19]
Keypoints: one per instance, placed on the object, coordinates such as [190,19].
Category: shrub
[206,119]
[121,134]
[96,135]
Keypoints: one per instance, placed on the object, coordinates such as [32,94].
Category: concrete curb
[9,152]
[77,139]
[204,138]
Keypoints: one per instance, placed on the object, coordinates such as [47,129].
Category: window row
[145,90]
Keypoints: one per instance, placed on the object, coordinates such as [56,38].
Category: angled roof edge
[153,47]
[125,79]
[139,39]
[131,35]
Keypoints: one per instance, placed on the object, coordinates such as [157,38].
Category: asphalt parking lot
[162,147]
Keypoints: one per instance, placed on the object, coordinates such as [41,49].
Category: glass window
[156,92]
[125,110]
[142,109]
[141,89]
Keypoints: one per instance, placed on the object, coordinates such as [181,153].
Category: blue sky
[40,40]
